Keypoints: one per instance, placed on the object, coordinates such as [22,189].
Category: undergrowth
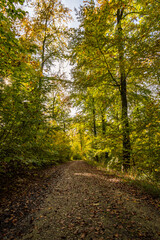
[143,181]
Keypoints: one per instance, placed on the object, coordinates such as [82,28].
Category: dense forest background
[114,85]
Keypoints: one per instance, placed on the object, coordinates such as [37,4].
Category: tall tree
[50,33]
[112,49]
[28,47]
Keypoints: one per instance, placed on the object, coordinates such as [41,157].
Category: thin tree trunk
[125,122]
[81,139]
[94,125]
[94,118]
[103,123]
[53,110]
[41,72]
[43,55]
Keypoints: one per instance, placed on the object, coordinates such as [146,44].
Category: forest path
[86,203]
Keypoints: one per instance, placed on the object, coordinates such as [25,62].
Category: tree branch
[111,75]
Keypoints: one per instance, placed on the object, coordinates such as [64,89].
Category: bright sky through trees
[73,24]
[72,5]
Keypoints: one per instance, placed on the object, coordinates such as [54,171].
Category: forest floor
[77,201]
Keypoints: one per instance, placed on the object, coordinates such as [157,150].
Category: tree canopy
[114,84]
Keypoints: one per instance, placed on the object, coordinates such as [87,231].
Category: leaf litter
[77,201]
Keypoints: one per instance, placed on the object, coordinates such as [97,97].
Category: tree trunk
[64,125]
[103,123]
[123,85]
[94,118]
[81,138]
[43,55]
[94,125]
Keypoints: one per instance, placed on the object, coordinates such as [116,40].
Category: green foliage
[115,58]
[33,119]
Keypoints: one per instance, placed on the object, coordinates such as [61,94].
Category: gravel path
[86,203]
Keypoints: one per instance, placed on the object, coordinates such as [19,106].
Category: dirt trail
[86,203]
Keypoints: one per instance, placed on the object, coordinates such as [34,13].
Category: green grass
[145,185]
[152,189]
